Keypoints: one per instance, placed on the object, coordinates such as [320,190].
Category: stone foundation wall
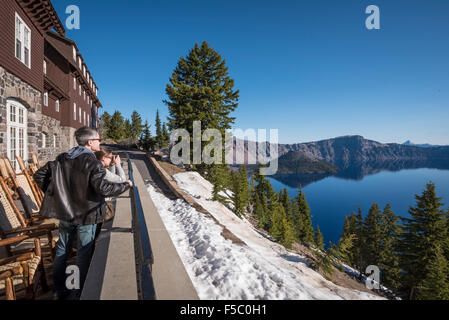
[12,87]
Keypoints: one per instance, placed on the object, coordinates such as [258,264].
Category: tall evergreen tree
[200,89]
[319,242]
[220,178]
[241,194]
[421,233]
[303,219]
[159,137]
[116,126]
[103,125]
[372,230]
[435,285]
[146,141]
[127,129]
[165,136]
[389,255]
[136,125]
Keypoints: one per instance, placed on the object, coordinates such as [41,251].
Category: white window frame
[79,114]
[57,105]
[74,111]
[45,67]
[15,123]
[21,29]
[79,87]
[74,83]
[88,120]
[80,63]
[44,140]
[46,99]
[74,53]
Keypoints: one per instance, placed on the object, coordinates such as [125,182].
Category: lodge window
[79,113]
[79,87]
[74,111]
[45,67]
[16,132]
[84,117]
[57,105]
[88,120]
[46,99]
[74,83]
[74,53]
[44,140]
[23,42]
[54,141]
[79,63]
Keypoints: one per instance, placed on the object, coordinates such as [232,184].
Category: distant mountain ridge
[349,150]
[424,145]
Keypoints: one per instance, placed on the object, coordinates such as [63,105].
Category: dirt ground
[171,169]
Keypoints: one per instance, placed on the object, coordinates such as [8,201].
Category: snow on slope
[220,269]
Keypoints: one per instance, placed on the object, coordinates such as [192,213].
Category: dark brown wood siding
[8,60]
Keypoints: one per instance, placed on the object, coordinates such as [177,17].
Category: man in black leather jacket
[75,191]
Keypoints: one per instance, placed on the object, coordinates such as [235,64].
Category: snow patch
[220,269]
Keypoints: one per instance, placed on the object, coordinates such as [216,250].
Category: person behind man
[75,191]
[112,163]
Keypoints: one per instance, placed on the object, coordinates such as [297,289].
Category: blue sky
[308,68]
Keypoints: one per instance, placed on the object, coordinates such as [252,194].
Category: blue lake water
[333,198]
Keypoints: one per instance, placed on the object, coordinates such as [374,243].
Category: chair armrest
[11,272]
[41,227]
[17,258]
[9,241]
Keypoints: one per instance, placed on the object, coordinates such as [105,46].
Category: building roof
[58,41]
[43,15]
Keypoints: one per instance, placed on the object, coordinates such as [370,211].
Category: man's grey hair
[84,134]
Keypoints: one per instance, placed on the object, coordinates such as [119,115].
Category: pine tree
[319,242]
[145,140]
[350,229]
[389,255]
[289,235]
[277,223]
[103,125]
[159,137]
[303,220]
[421,233]
[435,285]
[372,230]
[241,194]
[116,126]
[136,125]
[220,178]
[127,129]
[200,89]
[165,136]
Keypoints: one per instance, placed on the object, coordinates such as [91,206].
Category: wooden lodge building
[46,88]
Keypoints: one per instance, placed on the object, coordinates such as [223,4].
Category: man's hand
[130,183]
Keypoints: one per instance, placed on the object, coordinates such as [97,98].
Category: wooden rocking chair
[27,172]
[22,272]
[13,223]
[23,188]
